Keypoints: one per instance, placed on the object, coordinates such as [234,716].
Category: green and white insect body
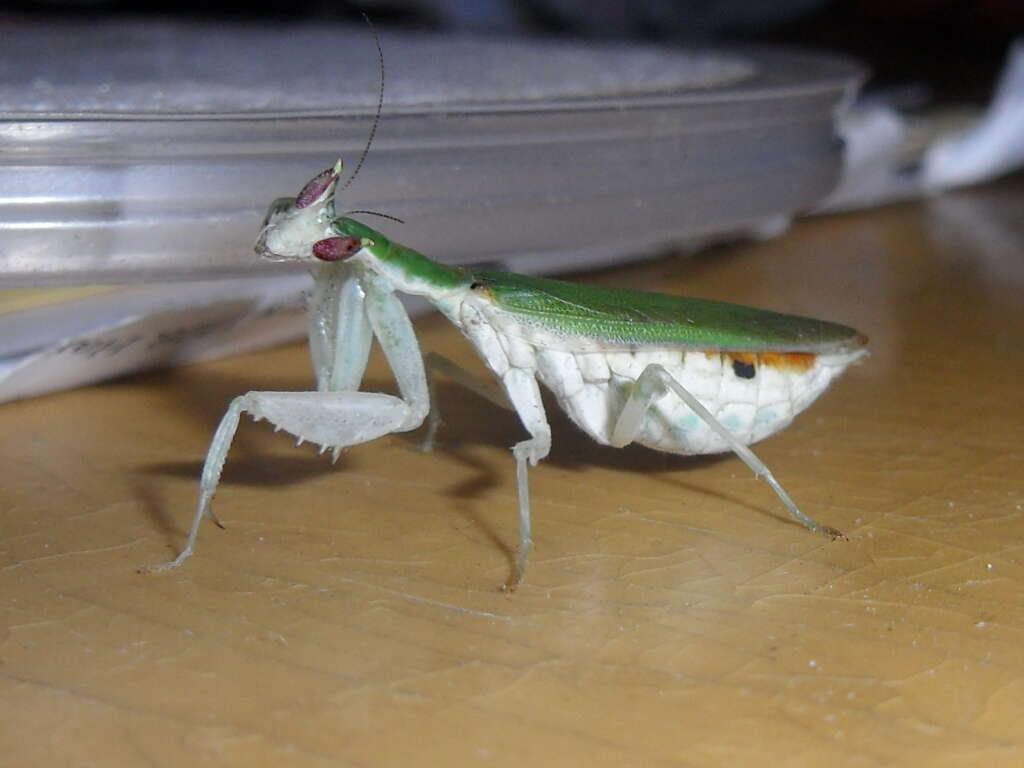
[676,374]
[592,367]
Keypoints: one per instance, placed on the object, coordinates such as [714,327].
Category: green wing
[636,318]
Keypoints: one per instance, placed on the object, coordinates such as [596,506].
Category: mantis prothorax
[676,374]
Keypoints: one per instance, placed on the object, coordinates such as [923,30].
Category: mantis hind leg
[655,382]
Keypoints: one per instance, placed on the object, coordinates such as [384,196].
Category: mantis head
[302,228]
[293,226]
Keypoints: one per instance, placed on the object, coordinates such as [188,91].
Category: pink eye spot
[336,248]
[315,187]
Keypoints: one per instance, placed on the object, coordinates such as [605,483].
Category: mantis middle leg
[524,394]
[518,391]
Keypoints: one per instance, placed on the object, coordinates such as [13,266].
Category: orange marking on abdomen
[788,361]
[795,362]
[747,358]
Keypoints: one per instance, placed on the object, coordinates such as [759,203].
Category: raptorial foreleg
[333,420]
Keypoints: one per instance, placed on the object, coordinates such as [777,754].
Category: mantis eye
[336,248]
[315,187]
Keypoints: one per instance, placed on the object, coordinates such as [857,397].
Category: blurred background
[142,142]
[953,47]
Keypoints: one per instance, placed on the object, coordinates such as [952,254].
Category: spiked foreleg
[334,420]
[339,330]
[655,382]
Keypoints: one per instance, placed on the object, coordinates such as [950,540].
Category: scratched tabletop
[672,614]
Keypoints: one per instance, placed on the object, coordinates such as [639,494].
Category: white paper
[81,342]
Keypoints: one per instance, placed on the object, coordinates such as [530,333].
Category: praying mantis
[676,374]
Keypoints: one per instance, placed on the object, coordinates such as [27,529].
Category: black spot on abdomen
[743,370]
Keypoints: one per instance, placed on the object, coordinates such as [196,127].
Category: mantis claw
[517,574]
[833,533]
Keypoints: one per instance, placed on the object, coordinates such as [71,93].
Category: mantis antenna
[380,106]
[378,213]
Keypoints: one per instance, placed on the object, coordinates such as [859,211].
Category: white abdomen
[752,395]
[752,408]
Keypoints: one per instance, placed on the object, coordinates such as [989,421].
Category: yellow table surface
[672,614]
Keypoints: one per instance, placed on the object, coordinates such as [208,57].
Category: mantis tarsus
[676,374]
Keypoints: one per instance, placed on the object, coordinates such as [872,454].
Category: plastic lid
[150,151]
